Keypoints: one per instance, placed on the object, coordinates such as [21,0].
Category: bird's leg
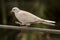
[22,24]
[17,22]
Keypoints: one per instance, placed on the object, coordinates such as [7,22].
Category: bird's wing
[27,17]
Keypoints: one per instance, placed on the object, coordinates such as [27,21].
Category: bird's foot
[17,22]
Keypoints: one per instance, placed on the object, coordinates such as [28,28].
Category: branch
[31,29]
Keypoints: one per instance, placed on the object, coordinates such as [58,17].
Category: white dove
[27,18]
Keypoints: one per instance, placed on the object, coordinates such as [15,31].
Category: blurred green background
[46,9]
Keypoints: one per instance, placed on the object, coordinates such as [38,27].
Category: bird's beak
[11,11]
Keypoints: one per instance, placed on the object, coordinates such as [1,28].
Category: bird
[27,18]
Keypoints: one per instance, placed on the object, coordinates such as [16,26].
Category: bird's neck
[17,11]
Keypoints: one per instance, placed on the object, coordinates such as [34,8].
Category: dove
[27,18]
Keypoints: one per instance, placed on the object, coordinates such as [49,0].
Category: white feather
[27,18]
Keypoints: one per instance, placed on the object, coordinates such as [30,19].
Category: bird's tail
[48,22]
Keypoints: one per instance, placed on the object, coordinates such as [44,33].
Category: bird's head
[15,9]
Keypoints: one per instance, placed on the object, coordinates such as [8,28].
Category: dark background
[47,9]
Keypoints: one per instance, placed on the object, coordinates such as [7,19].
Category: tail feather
[48,22]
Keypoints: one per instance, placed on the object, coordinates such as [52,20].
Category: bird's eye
[14,9]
